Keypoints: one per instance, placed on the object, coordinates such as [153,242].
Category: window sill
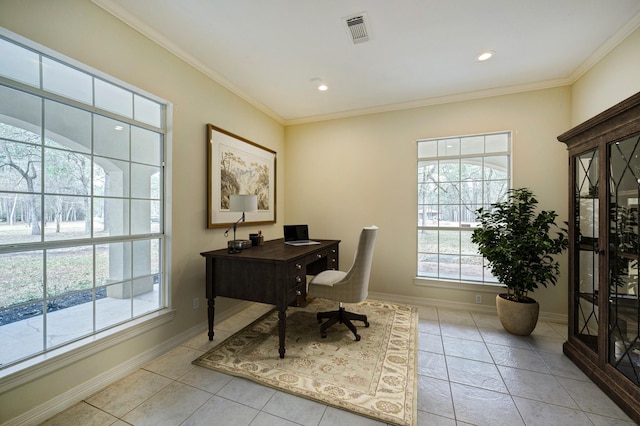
[41,365]
[460,285]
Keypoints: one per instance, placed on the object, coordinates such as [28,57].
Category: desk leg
[282,327]
[211,308]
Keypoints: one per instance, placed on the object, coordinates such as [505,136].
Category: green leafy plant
[519,245]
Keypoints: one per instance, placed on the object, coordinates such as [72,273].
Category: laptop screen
[296,232]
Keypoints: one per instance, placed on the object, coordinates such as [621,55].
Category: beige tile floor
[470,372]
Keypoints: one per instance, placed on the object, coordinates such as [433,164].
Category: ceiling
[419,52]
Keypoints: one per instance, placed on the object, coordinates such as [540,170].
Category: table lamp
[240,203]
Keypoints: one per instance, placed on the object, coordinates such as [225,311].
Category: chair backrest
[360,271]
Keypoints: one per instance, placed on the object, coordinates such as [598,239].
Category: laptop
[297,235]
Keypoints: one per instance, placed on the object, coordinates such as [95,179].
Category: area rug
[374,377]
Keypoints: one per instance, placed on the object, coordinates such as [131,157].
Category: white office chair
[346,287]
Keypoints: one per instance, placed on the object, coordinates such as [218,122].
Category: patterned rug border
[405,417]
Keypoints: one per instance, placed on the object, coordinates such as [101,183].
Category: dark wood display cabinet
[604,308]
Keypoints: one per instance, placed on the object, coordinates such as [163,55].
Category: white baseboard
[461,306]
[78,393]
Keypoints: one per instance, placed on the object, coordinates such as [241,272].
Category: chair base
[343,317]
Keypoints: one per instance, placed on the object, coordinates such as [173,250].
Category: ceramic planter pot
[516,317]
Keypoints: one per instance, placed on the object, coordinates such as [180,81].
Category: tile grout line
[446,367]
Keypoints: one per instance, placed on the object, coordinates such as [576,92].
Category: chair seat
[328,277]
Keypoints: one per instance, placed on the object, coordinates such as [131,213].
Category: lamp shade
[243,203]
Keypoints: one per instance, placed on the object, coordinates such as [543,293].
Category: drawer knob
[298,279]
[319,255]
[298,266]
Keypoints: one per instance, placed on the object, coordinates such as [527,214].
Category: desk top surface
[272,250]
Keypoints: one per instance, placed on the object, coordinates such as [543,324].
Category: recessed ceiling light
[485,56]
[319,84]
[119,128]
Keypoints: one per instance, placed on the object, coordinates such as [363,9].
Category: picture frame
[236,165]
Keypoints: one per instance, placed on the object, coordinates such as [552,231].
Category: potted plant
[519,247]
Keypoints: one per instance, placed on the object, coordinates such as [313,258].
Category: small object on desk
[238,245]
[297,235]
[256,239]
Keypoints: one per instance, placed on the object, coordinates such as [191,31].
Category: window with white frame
[456,176]
[82,186]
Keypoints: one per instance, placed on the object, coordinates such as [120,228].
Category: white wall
[347,173]
[84,32]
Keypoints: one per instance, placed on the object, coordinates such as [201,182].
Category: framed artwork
[236,165]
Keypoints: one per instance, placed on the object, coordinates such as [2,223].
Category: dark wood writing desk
[273,273]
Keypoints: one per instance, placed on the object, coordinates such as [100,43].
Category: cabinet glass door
[624,310]
[586,267]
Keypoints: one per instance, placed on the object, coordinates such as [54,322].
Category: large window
[82,174]
[456,176]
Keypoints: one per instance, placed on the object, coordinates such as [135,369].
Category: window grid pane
[66,81]
[456,176]
[19,64]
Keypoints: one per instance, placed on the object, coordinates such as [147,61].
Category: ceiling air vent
[357,27]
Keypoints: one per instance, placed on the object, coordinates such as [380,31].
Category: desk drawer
[332,258]
[325,259]
[296,295]
[298,280]
[296,268]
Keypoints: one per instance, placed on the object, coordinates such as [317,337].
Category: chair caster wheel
[357,337]
[323,335]
[366,324]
